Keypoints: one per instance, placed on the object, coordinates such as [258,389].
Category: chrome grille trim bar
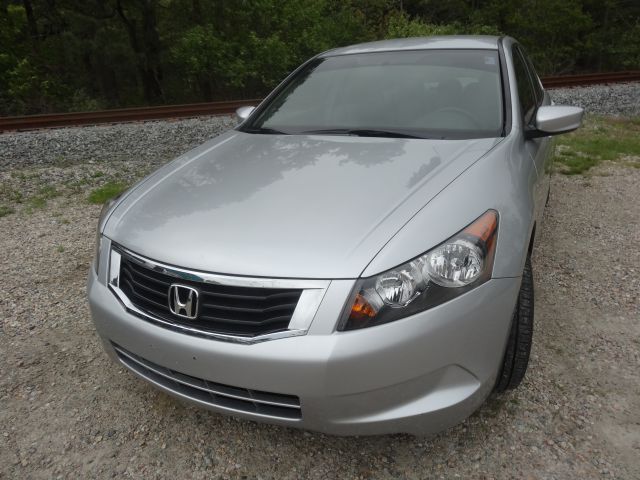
[313,292]
[175,386]
[180,378]
[219,279]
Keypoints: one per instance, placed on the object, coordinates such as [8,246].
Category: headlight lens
[398,288]
[452,268]
[455,264]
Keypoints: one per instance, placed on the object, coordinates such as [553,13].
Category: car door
[546,145]
[538,149]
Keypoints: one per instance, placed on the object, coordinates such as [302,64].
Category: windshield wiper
[361,132]
[266,131]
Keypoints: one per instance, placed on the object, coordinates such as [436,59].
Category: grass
[78,186]
[10,194]
[62,162]
[4,210]
[40,199]
[599,139]
[106,192]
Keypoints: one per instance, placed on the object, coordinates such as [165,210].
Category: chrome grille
[210,393]
[225,309]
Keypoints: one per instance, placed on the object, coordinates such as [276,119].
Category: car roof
[486,42]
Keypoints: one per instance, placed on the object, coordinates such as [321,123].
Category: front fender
[504,180]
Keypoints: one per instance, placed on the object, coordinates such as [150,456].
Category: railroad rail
[121,115]
[591,79]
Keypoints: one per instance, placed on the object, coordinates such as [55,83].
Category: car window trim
[516,52]
[506,89]
[533,75]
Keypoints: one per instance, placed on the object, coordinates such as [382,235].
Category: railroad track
[121,115]
[591,79]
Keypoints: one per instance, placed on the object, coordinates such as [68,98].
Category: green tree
[553,32]
[233,49]
[400,25]
[60,55]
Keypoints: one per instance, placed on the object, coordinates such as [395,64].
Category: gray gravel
[146,141]
[620,99]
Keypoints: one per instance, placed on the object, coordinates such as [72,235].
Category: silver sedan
[354,257]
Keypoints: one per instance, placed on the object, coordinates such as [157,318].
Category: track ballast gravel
[154,141]
[619,99]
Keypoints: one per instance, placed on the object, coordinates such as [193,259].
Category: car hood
[293,206]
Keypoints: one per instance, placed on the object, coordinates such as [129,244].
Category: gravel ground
[149,142]
[616,99]
[67,411]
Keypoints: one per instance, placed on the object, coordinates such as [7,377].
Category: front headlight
[452,268]
[106,209]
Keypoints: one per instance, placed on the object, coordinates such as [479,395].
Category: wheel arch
[532,239]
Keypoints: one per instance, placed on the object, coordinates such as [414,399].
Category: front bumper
[417,375]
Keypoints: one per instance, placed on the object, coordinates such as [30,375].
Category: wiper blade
[363,132]
[382,133]
[266,131]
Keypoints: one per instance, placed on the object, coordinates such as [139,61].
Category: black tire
[546,202]
[516,355]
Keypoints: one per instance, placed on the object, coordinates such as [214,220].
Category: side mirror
[243,113]
[555,119]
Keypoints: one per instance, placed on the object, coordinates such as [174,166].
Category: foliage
[400,25]
[40,199]
[599,139]
[107,192]
[553,32]
[5,210]
[70,55]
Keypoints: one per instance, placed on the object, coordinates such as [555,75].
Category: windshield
[426,94]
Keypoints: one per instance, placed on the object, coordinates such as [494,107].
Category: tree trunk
[31,19]
[146,46]
[605,30]
[196,12]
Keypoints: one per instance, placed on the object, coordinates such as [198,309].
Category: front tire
[516,356]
